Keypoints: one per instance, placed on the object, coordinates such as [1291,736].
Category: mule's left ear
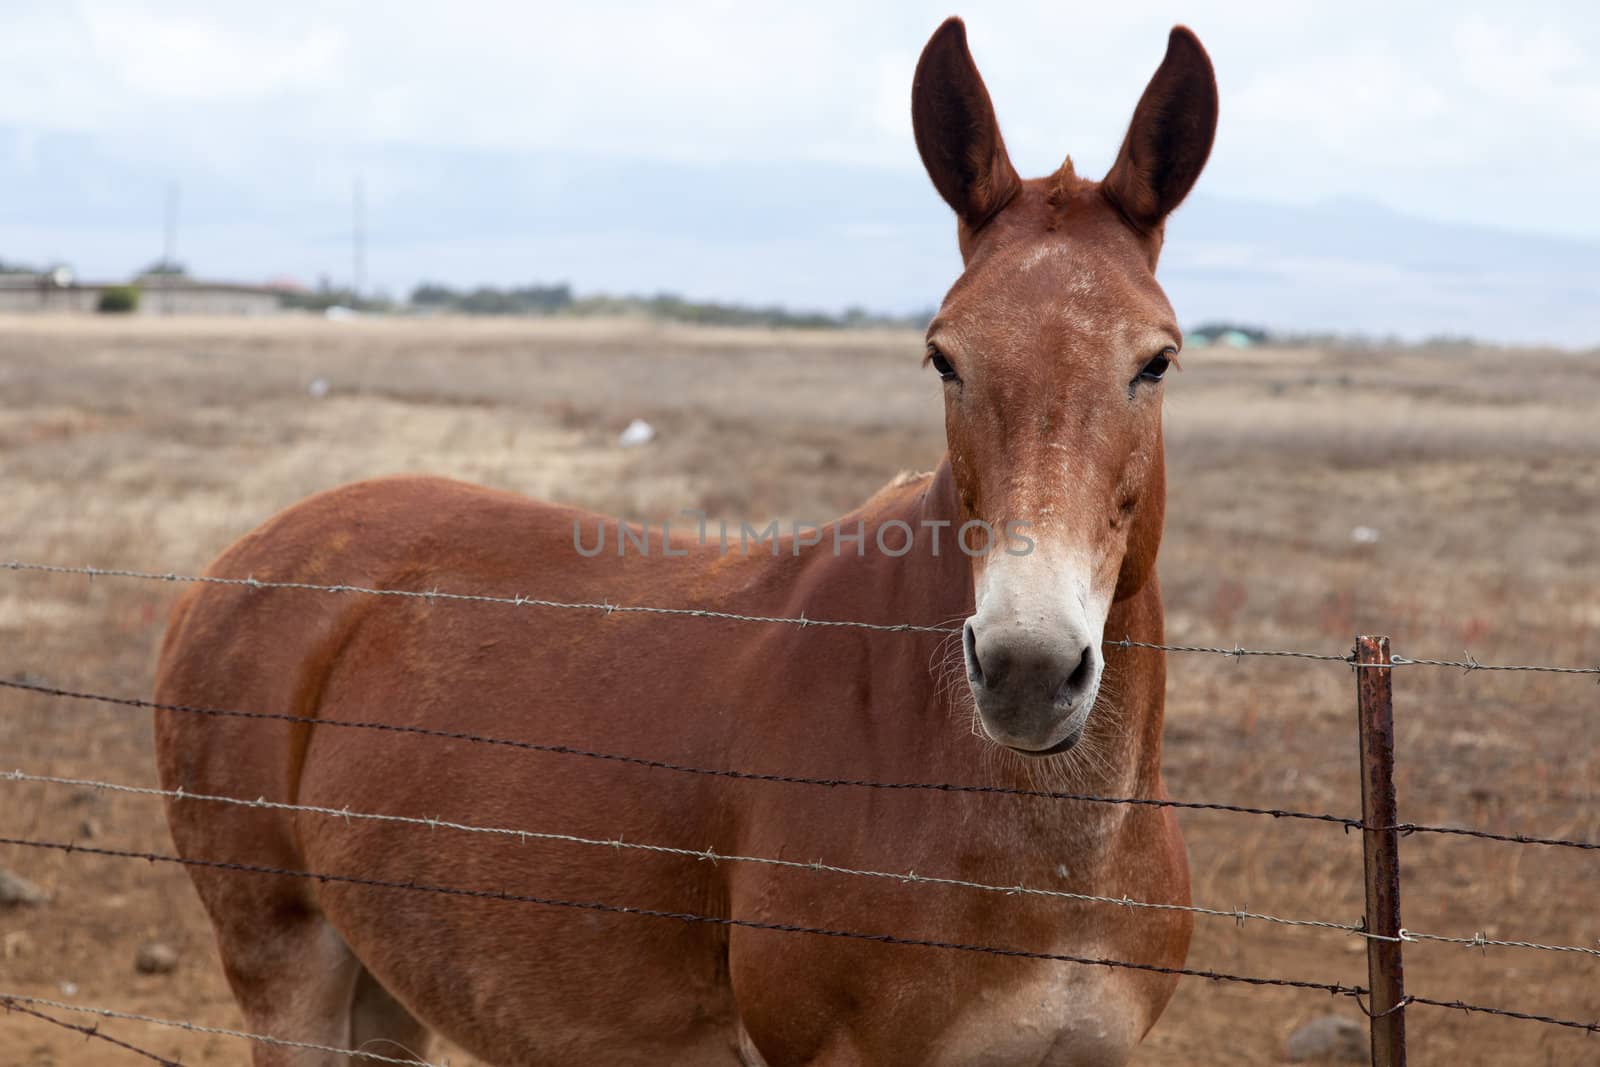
[1170,136]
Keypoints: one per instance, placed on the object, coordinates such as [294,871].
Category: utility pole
[358,234]
[169,249]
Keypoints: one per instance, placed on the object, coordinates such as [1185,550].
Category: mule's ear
[1170,136]
[957,134]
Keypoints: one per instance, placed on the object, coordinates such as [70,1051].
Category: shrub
[119,300]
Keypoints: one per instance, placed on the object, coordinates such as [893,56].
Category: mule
[1050,351]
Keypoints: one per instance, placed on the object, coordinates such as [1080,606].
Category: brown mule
[1051,347]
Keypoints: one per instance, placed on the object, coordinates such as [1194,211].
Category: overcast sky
[1475,113]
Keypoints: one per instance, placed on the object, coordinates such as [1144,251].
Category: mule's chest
[1067,1015]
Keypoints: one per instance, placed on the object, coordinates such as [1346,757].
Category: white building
[159,294]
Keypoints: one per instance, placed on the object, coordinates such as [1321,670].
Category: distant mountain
[810,235]
[1356,266]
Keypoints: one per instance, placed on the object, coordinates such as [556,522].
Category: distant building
[1229,335]
[176,294]
[159,294]
[46,291]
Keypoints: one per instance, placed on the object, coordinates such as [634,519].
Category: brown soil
[152,444]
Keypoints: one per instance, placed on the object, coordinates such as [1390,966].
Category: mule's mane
[908,478]
[1060,186]
[903,479]
[893,488]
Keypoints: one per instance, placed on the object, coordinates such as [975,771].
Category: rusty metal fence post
[1380,851]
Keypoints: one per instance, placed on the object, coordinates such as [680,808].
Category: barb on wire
[681,916]
[19,1003]
[641,761]
[802,620]
[1334,988]
[18,999]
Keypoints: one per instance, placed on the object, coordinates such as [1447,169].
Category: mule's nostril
[969,644]
[1081,678]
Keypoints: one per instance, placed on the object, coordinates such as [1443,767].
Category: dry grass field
[153,444]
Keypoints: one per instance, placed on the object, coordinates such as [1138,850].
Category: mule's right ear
[956,130]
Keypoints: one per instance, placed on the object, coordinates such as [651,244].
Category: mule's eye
[1158,365]
[942,365]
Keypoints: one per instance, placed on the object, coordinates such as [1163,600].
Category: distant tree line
[485,300]
[560,300]
[326,295]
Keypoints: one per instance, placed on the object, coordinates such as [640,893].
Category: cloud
[1468,114]
[1317,101]
[167,58]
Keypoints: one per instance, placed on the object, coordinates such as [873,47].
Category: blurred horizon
[1376,172]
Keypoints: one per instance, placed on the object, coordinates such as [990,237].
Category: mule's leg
[294,979]
[381,1024]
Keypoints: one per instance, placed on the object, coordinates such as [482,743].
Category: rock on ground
[1330,1038]
[17,891]
[154,957]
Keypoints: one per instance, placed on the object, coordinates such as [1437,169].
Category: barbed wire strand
[15,1002]
[180,1024]
[1238,915]
[1333,988]
[480,598]
[1470,663]
[1490,835]
[792,779]
[1479,1009]
[1483,941]
[641,761]
[1238,653]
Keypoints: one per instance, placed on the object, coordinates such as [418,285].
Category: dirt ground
[152,444]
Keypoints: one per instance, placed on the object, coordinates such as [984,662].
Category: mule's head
[1052,346]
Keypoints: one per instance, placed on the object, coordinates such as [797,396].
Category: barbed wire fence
[1383,1001]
